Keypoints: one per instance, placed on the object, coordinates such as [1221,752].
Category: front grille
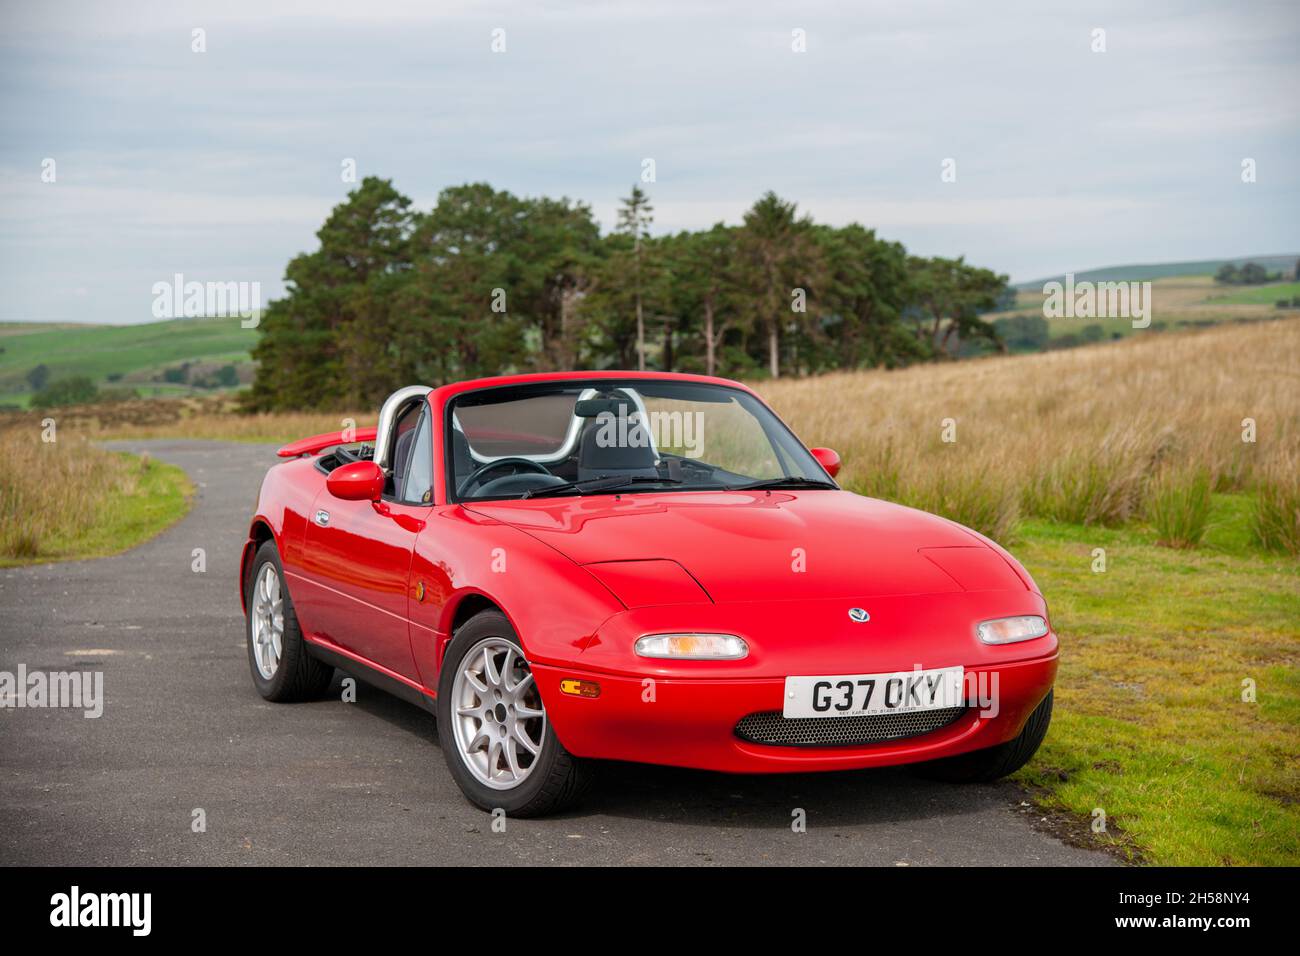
[771,728]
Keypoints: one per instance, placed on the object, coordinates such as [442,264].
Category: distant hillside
[1163,270]
[125,356]
[1181,301]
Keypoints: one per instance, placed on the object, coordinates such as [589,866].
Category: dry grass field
[1139,429]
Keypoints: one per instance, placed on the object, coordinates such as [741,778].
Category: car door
[358,556]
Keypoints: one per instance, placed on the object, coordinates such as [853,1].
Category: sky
[220,165]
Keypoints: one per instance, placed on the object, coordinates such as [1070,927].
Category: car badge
[858,616]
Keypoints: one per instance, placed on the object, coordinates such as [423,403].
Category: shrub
[39,377]
[1101,484]
[1178,506]
[1023,333]
[987,505]
[78,390]
[1276,524]
[968,491]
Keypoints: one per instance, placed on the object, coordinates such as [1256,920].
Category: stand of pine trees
[487,283]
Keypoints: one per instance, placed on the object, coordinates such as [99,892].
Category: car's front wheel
[982,766]
[499,746]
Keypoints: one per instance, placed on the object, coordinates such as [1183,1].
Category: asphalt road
[364,783]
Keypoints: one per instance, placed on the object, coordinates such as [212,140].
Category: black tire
[982,766]
[556,779]
[299,676]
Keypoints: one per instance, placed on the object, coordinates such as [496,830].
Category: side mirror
[358,481]
[828,458]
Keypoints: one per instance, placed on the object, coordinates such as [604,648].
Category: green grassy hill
[1177,301]
[1268,294]
[1284,264]
[135,356]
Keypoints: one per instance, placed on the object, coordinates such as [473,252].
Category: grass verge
[68,500]
[1150,725]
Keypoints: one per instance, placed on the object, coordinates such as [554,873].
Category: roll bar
[393,406]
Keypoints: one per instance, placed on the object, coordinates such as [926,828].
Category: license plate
[854,694]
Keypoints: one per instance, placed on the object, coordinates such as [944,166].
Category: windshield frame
[770,423]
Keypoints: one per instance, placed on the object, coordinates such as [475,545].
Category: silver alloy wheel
[267,620]
[500,723]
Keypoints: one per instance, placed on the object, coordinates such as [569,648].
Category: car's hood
[756,546]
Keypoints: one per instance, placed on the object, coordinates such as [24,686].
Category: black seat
[402,458]
[634,456]
[461,459]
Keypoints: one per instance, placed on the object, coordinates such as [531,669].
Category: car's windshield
[630,436]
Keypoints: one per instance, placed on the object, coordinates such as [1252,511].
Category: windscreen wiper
[786,481]
[600,483]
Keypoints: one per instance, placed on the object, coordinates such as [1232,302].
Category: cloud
[225,163]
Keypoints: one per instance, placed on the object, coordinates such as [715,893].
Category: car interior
[583,459]
[504,448]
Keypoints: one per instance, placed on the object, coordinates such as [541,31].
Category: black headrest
[402,457]
[630,451]
[462,461]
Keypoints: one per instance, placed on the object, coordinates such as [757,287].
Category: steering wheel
[476,476]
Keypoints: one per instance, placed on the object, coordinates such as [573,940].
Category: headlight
[692,647]
[1008,630]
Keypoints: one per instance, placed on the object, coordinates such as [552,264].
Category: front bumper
[690,722]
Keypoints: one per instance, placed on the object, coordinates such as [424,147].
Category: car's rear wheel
[982,766]
[498,743]
[277,654]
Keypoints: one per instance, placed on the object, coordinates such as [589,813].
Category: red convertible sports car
[574,567]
